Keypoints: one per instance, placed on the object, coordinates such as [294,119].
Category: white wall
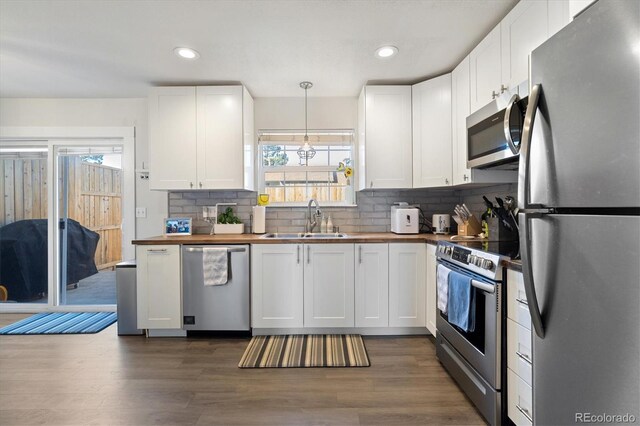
[323,113]
[270,113]
[96,112]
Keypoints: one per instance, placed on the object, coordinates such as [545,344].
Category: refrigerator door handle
[527,272]
[525,146]
[507,123]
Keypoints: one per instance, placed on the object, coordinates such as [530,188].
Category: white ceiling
[98,48]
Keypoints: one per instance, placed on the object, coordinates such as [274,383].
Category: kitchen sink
[308,235]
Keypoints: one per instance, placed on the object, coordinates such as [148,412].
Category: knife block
[470,228]
[498,232]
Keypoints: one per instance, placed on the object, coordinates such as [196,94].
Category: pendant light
[306,151]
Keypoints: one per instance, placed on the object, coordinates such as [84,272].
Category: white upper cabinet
[172,138]
[201,139]
[385,151]
[501,61]
[459,111]
[329,285]
[523,29]
[486,70]
[431,105]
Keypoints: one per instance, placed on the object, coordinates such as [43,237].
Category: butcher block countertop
[354,237]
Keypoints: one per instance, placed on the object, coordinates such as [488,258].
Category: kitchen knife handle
[527,272]
[525,147]
[507,123]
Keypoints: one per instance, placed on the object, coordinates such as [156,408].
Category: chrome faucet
[312,219]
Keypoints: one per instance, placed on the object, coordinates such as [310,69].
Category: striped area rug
[62,323]
[311,350]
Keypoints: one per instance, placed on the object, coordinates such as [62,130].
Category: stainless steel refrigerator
[579,191]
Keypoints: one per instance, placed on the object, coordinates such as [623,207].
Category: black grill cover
[23,256]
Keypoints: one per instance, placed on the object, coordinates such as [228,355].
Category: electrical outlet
[141,212]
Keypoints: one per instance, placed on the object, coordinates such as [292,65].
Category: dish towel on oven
[442,282]
[461,304]
[215,266]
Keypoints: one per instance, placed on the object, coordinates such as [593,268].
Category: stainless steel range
[473,358]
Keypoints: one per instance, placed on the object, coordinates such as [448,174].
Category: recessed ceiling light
[386,51]
[186,53]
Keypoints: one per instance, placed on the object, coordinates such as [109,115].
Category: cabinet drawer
[519,350]
[517,308]
[519,404]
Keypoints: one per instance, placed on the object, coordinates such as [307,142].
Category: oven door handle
[484,286]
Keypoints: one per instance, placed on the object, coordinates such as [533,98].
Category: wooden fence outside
[94,199]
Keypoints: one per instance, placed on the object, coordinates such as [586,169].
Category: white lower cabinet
[519,352]
[372,285]
[158,287]
[408,272]
[431,295]
[329,285]
[277,278]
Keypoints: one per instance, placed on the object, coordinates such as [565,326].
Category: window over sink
[290,180]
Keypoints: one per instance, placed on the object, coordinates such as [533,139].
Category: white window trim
[53,138]
[261,168]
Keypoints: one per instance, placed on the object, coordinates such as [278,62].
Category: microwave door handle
[507,128]
[527,272]
[525,148]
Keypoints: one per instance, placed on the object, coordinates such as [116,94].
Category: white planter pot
[237,228]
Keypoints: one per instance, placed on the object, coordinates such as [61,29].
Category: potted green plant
[228,223]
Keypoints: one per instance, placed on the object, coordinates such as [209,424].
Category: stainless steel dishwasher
[221,307]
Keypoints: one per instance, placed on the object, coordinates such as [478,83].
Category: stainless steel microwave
[494,133]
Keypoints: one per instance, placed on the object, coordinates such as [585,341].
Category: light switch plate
[141,212]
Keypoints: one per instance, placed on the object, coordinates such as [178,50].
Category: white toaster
[405,220]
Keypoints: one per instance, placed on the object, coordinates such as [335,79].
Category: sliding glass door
[24,225]
[90,191]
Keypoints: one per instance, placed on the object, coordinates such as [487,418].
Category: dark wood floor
[106,379]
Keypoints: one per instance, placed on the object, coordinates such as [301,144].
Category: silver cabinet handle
[360,254]
[525,413]
[465,177]
[298,254]
[522,301]
[446,181]
[371,186]
[156,251]
[229,249]
[527,272]
[507,123]
[308,254]
[525,147]
[524,357]
[200,184]
[494,94]
[503,88]
[190,184]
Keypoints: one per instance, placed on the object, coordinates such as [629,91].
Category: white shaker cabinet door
[372,285]
[407,282]
[431,106]
[522,30]
[276,286]
[387,148]
[486,70]
[220,137]
[159,287]
[172,138]
[431,295]
[329,285]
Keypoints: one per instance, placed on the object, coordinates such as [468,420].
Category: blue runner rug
[62,323]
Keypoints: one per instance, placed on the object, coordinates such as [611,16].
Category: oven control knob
[478,261]
[487,264]
[449,250]
[472,259]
